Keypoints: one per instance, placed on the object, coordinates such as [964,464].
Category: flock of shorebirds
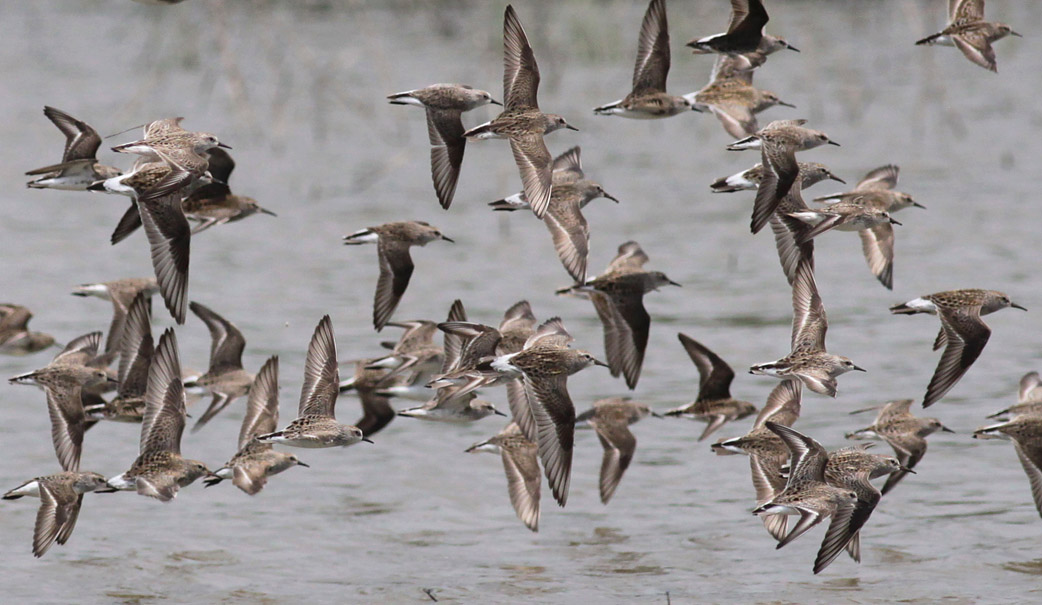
[182,175]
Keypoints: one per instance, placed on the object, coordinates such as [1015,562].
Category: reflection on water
[298,90]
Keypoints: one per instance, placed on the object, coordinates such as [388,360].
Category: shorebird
[572,191]
[135,357]
[413,362]
[871,199]
[905,433]
[749,180]
[767,452]
[733,99]
[567,169]
[626,323]
[63,380]
[808,361]
[807,494]
[521,464]
[225,378]
[393,241]
[1025,431]
[15,336]
[852,468]
[214,203]
[544,365]
[315,425]
[649,99]
[611,418]
[970,33]
[963,333]
[778,143]
[79,167]
[165,140]
[450,405]
[1029,397]
[745,35]
[714,404]
[521,121]
[251,466]
[121,293]
[444,104]
[61,496]
[159,470]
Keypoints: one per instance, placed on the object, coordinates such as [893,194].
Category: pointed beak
[570,127]
[223,145]
[598,362]
[657,415]
[265,211]
[696,108]
[302,463]
[791,47]
[893,222]
[784,104]
[367,440]
[1013,33]
[673,283]
[111,380]
[860,369]
[918,205]
[831,142]
[1016,306]
[945,429]
[610,197]
[106,490]
[498,413]
[494,102]
[907,470]
[451,241]
[836,178]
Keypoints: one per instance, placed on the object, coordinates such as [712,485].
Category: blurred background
[298,90]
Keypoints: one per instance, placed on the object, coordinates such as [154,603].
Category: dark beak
[494,102]
[908,470]
[223,145]
[836,178]
[367,440]
[451,241]
[791,47]
[266,211]
[673,283]
[301,463]
[784,104]
[831,142]
[696,108]
[598,362]
[111,380]
[610,197]
[860,369]
[918,205]
[1013,33]
[570,127]
[893,222]
[946,429]
[1016,306]
[657,415]
[106,490]
[498,413]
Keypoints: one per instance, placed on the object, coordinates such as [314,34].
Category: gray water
[297,88]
